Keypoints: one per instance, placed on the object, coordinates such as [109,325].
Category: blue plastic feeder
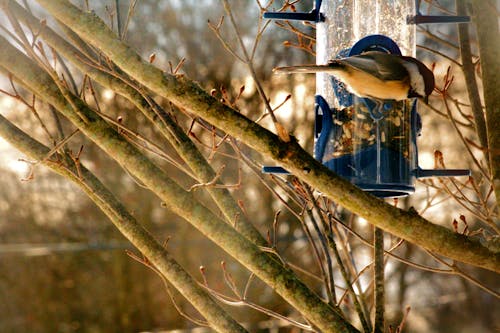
[372,146]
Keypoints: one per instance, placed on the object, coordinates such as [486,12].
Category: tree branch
[128,226]
[167,127]
[378,278]
[488,34]
[189,95]
[181,202]
[470,79]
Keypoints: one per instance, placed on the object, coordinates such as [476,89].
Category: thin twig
[146,263]
[243,302]
[457,271]
[281,131]
[130,13]
[330,283]
[363,318]
[431,50]
[378,277]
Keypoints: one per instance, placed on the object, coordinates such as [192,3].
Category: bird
[376,75]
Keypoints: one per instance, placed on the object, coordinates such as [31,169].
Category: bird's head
[421,79]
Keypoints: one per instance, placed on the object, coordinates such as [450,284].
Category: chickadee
[376,75]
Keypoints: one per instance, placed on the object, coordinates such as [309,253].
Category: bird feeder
[373,146]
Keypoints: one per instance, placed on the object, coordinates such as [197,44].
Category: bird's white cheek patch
[416,79]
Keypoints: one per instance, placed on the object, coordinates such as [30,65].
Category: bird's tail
[307,68]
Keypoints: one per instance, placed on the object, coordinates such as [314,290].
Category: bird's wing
[381,65]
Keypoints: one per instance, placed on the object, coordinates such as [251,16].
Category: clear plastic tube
[371,145]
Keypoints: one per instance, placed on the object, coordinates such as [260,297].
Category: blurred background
[64,267]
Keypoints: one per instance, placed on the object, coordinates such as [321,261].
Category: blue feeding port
[374,150]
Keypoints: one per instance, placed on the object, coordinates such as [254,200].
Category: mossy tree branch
[379,280]
[470,79]
[488,34]
[181,202]
[166,126]
[218,318]
[187,94]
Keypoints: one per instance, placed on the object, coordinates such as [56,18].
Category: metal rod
[423,19]
[312,16]
[427,173]
[275,170]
